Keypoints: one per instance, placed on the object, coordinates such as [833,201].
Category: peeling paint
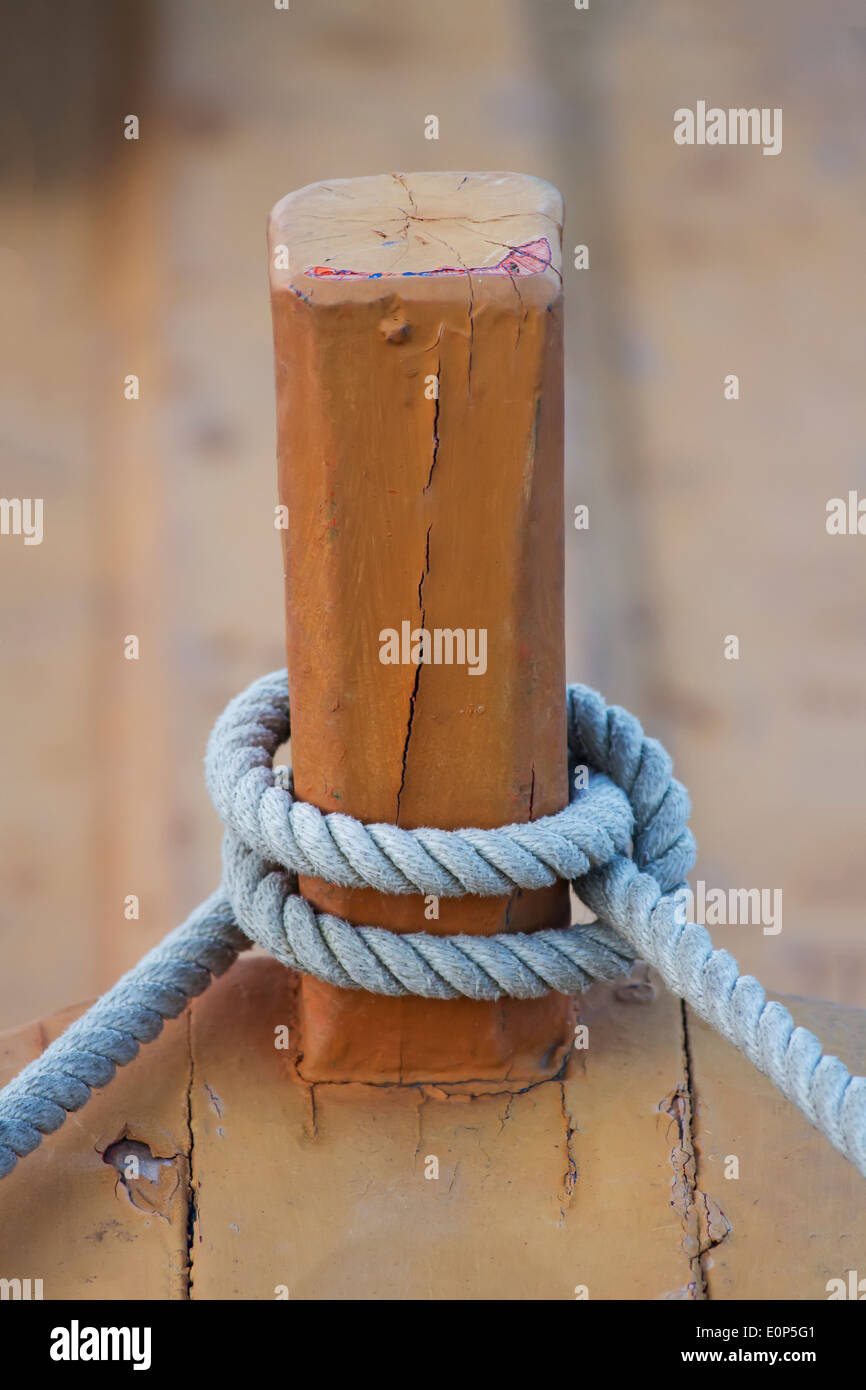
[569,1179]
[704,1225]
[151,1184]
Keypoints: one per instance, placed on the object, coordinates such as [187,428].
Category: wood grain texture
[609,1176]
[442,511]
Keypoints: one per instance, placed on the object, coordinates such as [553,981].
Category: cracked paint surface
[586,1179]
[530,258]
[413,695]
[146,1180]
[703,1222]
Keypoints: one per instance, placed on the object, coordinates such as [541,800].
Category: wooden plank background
[706,516]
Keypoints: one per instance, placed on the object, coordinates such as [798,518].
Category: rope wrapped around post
[623,841]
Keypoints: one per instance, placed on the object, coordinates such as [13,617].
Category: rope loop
[265,817]
[623,841]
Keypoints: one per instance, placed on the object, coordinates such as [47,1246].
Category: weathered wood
[793,1217]
[609,1177]
[541,1186]
[420,437]
[75,1220]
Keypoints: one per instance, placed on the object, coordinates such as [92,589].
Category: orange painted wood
[445,513]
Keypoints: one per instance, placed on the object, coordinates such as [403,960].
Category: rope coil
[632,803]
[271,838]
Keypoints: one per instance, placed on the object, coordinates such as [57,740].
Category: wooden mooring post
[418,342]
[222,1165]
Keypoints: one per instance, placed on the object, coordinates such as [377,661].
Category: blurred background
[707,516]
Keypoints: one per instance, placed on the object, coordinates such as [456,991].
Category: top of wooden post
[414,228]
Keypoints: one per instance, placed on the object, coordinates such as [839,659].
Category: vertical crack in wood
[413,696]
[191,1208]
[689,1182]
[434,456]
[569,1179]
[704,1223]
[471,316]
[713,1226]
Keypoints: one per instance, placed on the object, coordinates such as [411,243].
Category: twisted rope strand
[339,849]
[271,838]
[133,1011]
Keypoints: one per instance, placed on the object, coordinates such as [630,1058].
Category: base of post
[347,1035]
